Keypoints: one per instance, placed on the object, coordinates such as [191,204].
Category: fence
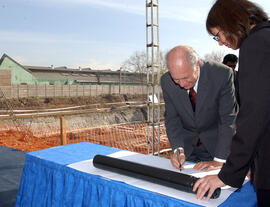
[24,91]
[132,137]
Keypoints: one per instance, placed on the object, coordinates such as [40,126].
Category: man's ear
[198,65]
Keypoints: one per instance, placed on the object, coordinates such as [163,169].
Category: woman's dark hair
[234,18]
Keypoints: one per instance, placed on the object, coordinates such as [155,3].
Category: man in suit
[231,61]
[202,130]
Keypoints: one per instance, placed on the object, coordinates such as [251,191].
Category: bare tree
[163,62]
[216,56]
[137,63]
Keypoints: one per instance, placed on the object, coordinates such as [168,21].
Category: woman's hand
[206,184]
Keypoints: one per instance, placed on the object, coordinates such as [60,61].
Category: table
[47,181]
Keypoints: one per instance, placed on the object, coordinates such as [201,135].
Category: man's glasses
[216,37]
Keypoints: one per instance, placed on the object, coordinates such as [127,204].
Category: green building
[19,74]
[66,76]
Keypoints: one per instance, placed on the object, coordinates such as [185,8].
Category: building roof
[6,56]
[66,69]
[80,75]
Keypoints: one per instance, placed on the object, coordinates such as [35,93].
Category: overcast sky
[98,33]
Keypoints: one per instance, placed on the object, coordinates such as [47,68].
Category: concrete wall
[21,91]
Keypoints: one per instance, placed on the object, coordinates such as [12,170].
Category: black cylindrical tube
[168,178]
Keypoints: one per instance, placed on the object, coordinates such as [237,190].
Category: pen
[178,157]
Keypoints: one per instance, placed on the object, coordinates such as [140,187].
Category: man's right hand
[174,159]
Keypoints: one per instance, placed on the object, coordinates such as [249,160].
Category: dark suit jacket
[251,143]
[236,87]
[213,120]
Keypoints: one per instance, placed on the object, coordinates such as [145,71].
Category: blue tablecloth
[47,182]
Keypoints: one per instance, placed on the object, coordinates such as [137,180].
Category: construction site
[117,109]
[118,121]
[45,107]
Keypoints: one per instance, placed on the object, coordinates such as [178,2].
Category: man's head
[230,60]
[183,64]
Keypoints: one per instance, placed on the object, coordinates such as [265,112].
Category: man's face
[184,75]
[231,64]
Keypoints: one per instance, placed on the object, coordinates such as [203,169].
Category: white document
[154,161]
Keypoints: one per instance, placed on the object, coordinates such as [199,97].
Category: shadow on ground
[11,166]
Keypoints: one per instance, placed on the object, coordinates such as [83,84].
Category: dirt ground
[38,103]
[15,140]
[114,135]
[130,137]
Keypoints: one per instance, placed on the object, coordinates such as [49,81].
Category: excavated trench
[122,122]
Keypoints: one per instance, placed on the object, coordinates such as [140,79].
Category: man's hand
[208,166]
[174,159]
[208,183]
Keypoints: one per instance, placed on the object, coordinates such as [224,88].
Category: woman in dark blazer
[242,24]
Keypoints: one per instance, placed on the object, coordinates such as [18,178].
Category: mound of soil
[37,103]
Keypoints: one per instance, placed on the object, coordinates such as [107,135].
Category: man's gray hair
[192,56]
